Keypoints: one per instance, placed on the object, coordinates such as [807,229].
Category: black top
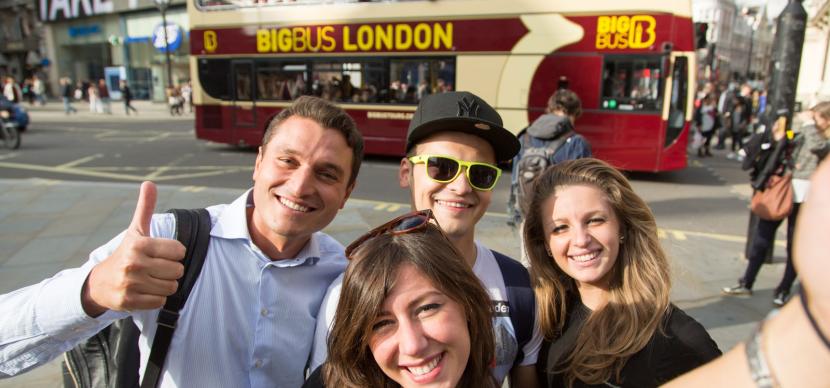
[682,346]
[315,380]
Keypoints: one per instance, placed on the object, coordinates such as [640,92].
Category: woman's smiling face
[420,338]
[582,233]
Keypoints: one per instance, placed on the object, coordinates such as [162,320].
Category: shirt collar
[232,223]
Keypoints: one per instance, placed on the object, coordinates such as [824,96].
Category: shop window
[632,83]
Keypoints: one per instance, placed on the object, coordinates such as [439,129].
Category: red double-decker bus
[631,62]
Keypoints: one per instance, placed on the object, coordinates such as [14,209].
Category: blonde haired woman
[602,284]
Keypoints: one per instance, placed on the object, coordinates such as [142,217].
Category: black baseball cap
[461,112]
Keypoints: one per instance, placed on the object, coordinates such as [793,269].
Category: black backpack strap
[193,231]
[521,299]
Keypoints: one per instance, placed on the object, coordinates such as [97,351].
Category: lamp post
[753,21]
[162,6]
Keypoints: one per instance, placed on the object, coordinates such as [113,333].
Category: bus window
[382,80]
[213,76]
[412,79]
[336,81]
[631,83]
[679,95]
[280,82]
[242,81]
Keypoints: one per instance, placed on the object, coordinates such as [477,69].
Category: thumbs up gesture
[142,272]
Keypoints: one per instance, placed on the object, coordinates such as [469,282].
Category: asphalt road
[708,196]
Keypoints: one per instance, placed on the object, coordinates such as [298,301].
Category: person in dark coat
[127,95]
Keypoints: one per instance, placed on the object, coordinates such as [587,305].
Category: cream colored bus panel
[479,74]
[290,14]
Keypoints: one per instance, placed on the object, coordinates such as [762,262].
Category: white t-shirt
[487,269]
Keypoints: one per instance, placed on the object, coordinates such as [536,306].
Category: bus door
[677,113]
[242,91]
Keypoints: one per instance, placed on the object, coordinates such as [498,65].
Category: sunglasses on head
[445,169]
[407,223]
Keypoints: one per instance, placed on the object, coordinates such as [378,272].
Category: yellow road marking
[192,189]
[46,182]
[678,235]
[79,161]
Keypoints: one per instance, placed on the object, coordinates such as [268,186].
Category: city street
[72,185]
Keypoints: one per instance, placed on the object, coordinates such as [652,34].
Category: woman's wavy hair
[369,278]
[639,285]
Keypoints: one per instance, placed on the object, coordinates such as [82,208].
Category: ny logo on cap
[467,108]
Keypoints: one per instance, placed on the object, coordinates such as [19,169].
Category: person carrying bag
[769,158]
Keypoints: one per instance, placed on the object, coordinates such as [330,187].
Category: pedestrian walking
[725,101]
[12,91]
[27,91]
[104,105]
[127,96]
[92,95]
[707,123]
[39,89]
[187,95]
[741,116]
[810,147]
[67,94]
[549,140]
[772,154]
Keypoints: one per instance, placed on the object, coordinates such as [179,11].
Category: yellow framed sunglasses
[445,169]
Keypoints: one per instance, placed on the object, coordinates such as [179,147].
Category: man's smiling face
[457,205]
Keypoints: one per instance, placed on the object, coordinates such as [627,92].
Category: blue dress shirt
[249,321]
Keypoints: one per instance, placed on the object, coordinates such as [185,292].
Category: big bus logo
[210,41]
[625,32]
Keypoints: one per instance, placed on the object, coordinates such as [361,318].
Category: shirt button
[263,312]
[258,364]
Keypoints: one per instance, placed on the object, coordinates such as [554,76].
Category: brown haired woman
[411,313]
[602,284]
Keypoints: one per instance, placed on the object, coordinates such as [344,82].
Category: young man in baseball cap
[454,142]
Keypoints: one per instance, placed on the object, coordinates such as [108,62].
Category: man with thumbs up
[250,317]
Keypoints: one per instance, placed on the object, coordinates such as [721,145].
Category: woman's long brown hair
[640,282]
[369,278]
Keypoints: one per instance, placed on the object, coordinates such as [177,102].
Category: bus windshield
[632,83]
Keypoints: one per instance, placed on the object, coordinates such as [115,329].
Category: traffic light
[700,35]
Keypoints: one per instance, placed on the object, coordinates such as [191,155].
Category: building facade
[740,40]
[20,39]
[116,40]
[814,74]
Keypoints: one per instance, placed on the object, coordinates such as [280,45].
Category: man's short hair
[329,116]
[567,101]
